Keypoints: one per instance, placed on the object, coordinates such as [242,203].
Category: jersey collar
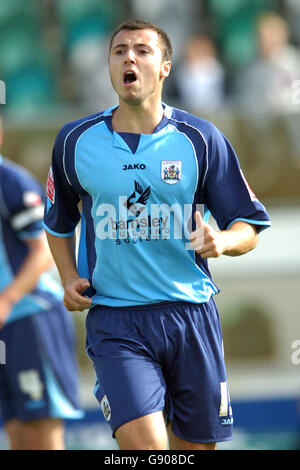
[107,114]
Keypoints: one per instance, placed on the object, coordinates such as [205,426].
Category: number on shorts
[29,382]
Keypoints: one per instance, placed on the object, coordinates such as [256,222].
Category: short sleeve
[227,194]
[61,211]
[23,199]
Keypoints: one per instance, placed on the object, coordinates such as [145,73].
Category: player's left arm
[227,196]
[240,238]
[38,261]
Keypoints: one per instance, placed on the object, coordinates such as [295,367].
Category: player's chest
[160,169]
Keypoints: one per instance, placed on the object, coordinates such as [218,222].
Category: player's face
[136,66]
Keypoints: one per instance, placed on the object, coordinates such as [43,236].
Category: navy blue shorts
[167,357]
[40,376]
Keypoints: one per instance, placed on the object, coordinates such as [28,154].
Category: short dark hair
[134,25]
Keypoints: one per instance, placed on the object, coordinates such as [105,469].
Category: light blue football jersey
[139,193]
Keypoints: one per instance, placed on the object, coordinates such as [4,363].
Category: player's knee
[136,442]
[145,433]
[44,434]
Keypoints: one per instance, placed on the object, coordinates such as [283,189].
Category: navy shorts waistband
[154,306]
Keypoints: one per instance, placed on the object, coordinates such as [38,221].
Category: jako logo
[227,421]
[135,166]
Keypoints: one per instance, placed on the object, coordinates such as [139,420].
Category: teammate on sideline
[39,380]
[140,169]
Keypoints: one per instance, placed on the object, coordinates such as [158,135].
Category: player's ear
[165,69]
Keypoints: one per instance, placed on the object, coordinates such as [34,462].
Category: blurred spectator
[177,17]
[199,78]
[84,27]
[292,14]
[89,66]
[26,63]
[267,84]
[233,23]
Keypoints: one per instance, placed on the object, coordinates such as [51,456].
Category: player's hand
[206,241]
[73,298]
[5,308]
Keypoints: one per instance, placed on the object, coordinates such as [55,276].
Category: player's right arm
[61,218]
[63,252]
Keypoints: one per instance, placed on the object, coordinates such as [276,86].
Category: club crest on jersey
[171,171]
[105,407]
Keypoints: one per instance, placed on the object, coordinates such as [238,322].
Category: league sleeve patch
[50,187]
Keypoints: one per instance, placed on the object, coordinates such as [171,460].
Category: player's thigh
[14,431]
[130,381]
[176,443]
[198,403]
[144,433]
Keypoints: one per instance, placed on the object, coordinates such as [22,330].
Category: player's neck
[138,119]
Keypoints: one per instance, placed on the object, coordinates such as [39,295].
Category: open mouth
[129,78]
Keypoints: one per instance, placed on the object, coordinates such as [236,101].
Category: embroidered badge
[105,407]
[171,171]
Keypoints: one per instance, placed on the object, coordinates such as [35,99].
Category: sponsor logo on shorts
[227,421]
[105,407]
